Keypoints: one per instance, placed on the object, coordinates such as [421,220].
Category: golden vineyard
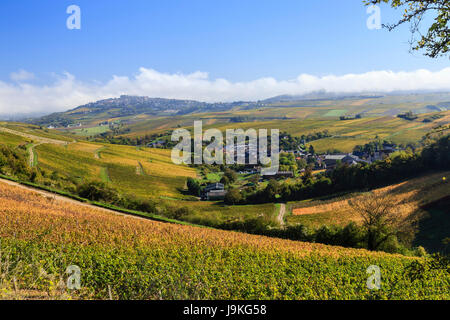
[132,258]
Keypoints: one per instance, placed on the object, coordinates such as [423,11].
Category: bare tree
[383,219]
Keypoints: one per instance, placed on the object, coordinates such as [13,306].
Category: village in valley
[298,158]
[299,163]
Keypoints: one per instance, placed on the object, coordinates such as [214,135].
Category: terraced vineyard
[90,161]
[130,258]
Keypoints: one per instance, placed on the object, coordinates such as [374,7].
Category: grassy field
[129,258]
[84,161]
[413,194]
[314,108]
[124,257]
[296,117]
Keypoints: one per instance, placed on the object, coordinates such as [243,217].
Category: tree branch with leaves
[436,40]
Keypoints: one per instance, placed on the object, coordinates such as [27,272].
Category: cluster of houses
[330,161]
[216,191]
[69,126]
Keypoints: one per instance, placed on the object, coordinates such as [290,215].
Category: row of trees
[101,192]
[289,142]
[371,147]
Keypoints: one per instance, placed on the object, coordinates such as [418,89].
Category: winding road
[280,217]
[32,154]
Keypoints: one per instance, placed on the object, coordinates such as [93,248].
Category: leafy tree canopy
[436,40]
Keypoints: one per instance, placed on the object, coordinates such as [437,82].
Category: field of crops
[36,131]
[145,173]
[12,139]
[299,121]
[129,258]
[92,131]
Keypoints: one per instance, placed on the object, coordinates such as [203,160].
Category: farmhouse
[216,195]
[214,191]
[331,161]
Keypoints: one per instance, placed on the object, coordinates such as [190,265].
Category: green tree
[193,187]
[231,175]
[436,40]
[272,189]
[301,163]
[97,191]
[233,197]
[225,181]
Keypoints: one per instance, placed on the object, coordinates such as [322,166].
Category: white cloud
[67,92]
[21,75]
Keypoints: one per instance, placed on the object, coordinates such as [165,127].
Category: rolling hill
[124,257]
[132,109]
[128,107]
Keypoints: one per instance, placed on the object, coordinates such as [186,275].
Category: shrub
[230,174]
[193,187]
[177,213]
[98,191]
[131,203]
[233,197]
[13,162]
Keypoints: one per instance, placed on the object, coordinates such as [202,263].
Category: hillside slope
[411,194]
[424,197]
[128,106]
[126,258]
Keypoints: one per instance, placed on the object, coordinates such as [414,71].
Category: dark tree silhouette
[382,218]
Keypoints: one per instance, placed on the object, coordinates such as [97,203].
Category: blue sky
[239,41]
